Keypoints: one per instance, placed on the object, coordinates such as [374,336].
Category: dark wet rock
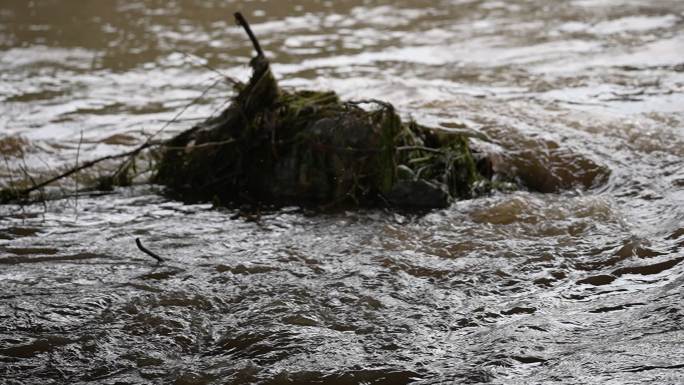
[279,147]
[418,193]
[549,169]
[540,165]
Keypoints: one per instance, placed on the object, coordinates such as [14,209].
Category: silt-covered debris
[279,147]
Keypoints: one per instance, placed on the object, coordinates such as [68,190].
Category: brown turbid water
[578,280]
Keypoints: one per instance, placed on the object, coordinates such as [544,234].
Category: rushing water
[578,280]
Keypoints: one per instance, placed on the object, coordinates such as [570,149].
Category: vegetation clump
[277,146]
[274,147]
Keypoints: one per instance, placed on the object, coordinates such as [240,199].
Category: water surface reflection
[580,283]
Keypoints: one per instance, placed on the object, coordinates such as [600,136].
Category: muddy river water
[577,280]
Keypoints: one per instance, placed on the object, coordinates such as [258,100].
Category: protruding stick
[241,20]
[147,251]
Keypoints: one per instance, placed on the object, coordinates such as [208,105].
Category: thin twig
[241,21]
[9,171]
[51,170]
[78,152]
[147,251]
[185,108]
[33,181]
[210,68]
[221,108]
[148,142]
[27,191]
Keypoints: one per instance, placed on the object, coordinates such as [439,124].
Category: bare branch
[25,192]
[78,152]
[147,251]
[241,21]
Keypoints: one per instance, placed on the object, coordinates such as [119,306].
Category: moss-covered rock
[275,146]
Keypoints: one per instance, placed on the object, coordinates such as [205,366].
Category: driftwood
[148,251]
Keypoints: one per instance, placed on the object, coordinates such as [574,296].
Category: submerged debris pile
[274,146]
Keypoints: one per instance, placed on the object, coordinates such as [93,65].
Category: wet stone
[273,146]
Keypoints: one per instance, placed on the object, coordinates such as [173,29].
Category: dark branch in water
[147,251]
[37,186]
[241,21]
[15,195]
